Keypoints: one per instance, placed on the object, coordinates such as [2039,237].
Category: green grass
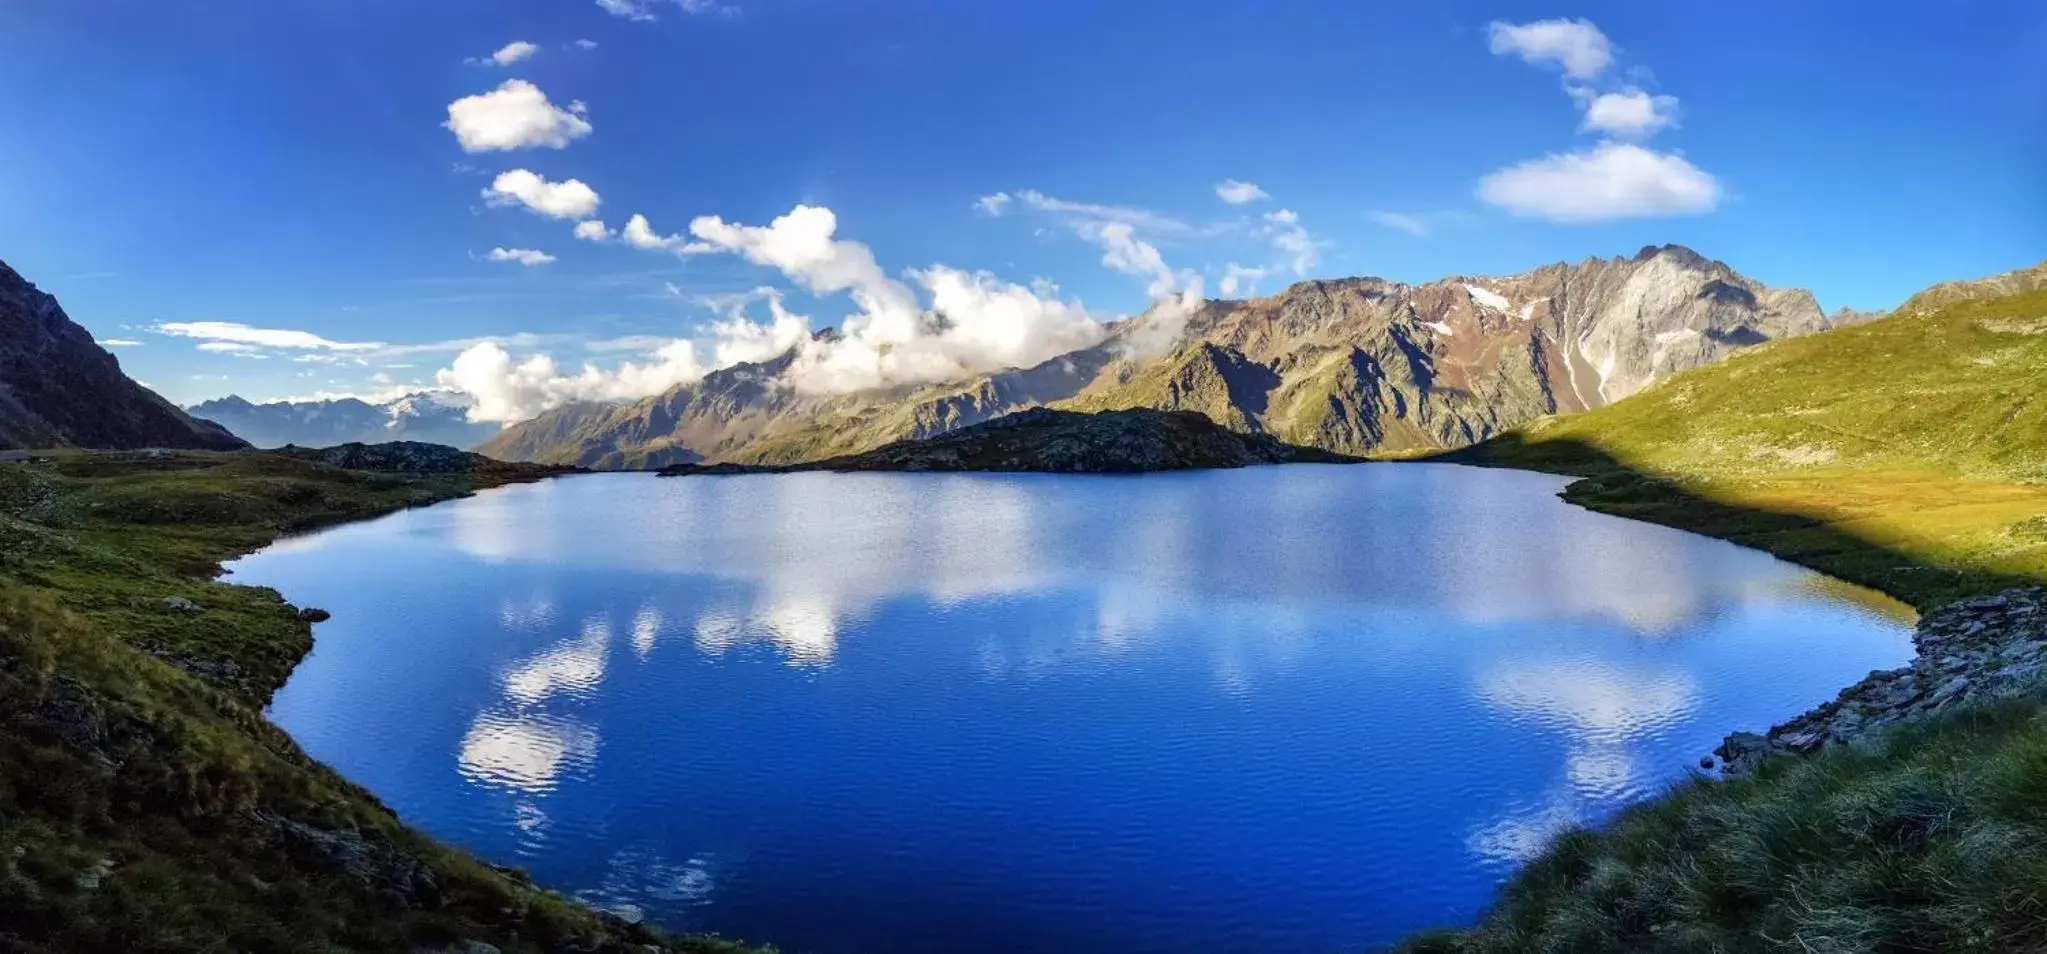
[146,804]
[1929,841]
[1909,455]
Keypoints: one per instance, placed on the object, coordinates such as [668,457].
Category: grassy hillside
[1909,454]
[146,805]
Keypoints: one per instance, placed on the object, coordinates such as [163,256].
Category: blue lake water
[1302,708]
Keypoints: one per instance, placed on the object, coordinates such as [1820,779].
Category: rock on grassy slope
[60,389]
[1067,442]
[1908,454]
[145,803]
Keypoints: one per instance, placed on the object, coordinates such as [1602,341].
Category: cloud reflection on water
[1603,711]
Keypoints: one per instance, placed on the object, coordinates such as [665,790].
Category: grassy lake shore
[148,804]
[1908,455]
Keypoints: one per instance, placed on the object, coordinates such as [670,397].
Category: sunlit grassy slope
[145,803]
[1909,454]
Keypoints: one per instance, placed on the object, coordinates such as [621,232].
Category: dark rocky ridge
[58,388]
[1969,651]
[1065,442]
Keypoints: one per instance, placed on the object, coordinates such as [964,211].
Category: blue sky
[284,185]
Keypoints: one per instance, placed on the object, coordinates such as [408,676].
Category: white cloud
[585,44]
[524,256]
[1284,229]
[639,233]
[1079,214]
[232,348]
[1242,278]
[643,10]
[1411,224]
[594,231]
[1575,46]
[973,322]
[569,199]
[629,9]
[235,332]
[1239,193]
[507,55]
[1629,114]
[506,390]
[1613,180]
[993,205]
[516,115]
[119,343]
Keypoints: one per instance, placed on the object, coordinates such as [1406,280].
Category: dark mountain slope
[59,389]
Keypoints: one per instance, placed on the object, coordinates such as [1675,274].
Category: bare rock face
[60,389]
[1969,651]
[1353,365]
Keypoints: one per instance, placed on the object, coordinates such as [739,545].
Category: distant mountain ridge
[58,388]
[421,416]
[1355,366]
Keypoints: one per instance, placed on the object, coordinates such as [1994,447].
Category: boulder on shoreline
[1968,651]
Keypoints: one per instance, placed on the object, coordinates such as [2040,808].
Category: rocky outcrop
[427,417]
[1969,651]
[60,389]
[1356,366]
[1067,442]
[2016,281]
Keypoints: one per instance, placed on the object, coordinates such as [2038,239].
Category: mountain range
[1355,366]
[58,388]
[425,416]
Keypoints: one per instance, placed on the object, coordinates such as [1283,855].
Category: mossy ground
[145,803]
[1909,455]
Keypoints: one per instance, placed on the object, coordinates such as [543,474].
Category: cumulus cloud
[238,333]
[594,231]
[524,256]
[503,389]
[993,205]
[1239,193]
[639,233]
[1575,46]
[1629,114]
[585,44]
[516,115]
[1242,278]
[933,324]
[1411,224]
[1284,229]
[628,9]
[506,55]
[1613,180]
[568,199]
